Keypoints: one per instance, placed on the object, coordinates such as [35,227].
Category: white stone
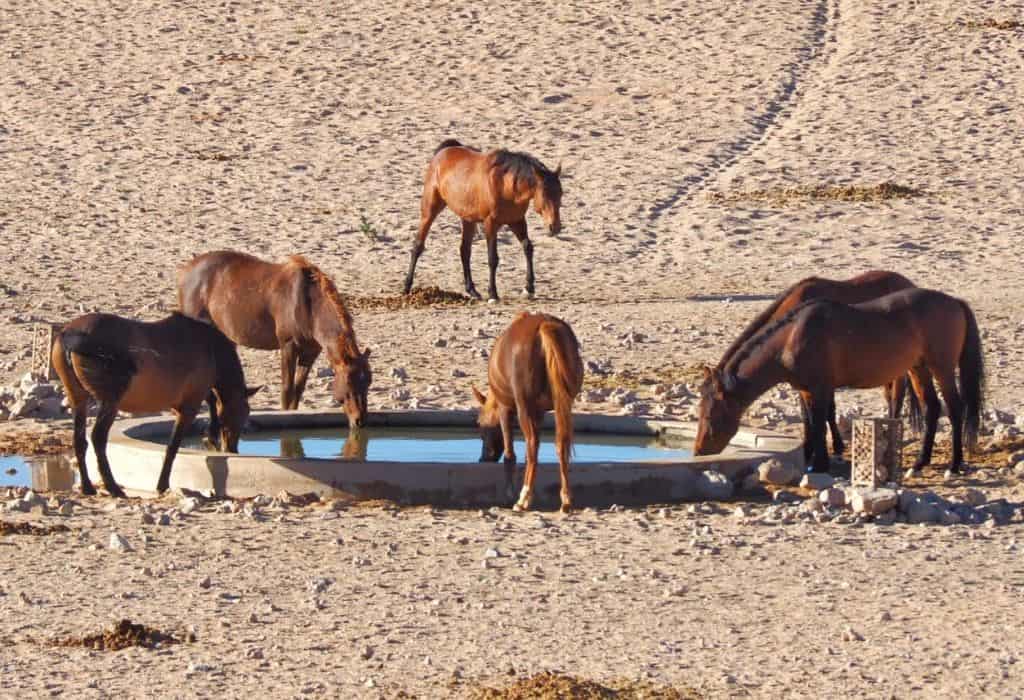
[773,471]
[874,501]
[118,543]
[836,498]
[713,485]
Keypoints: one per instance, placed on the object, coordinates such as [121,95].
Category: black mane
[761,337]
[523,166]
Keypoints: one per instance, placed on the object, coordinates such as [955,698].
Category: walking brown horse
[856,290]
[822,345]
[535,367]
[292,306]
[495,189]
[143,367]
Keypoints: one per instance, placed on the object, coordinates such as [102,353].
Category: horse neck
[758,373]
[337,338]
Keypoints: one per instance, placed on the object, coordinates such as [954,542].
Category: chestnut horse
[822,345]
[862,288]
[494,189]
[142,367]
[535,367]
[293,306]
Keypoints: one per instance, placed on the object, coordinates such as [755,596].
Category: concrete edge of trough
[136,461]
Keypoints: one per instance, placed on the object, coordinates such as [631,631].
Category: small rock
[188,505]
[367,653]
[713,485]
[975,497]
[852,635]
[164,519]
[832,497]
[67,508]
[492,554]
[773,471]
[205,582]
[874,501]
[147,518]
[118,543]
[399,374]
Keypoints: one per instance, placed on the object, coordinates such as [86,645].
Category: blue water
[51,473]
[439,445]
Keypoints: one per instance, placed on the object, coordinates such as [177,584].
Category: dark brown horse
[856,290]
[822,345]
[142,367]
[292,306]
[494,189]
[535,367]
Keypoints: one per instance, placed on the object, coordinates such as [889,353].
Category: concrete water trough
[136,450]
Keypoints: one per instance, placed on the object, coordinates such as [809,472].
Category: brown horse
[293,306]
[535,367]
[494,189]
[142,367]
[856,290]
[822,345]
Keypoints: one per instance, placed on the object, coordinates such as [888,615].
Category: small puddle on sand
[40,473]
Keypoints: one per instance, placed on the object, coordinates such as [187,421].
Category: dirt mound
[418,298]
[9,528]
[556,686]
[786,196]
[123,635]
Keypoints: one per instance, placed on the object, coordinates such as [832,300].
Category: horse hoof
[492,300]
[116,492]
[520,508]
[566,508]
[526,294]
[89,490]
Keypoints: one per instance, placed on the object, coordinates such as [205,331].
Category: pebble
[118,543]
[164,519]
[852,635]
[205,582]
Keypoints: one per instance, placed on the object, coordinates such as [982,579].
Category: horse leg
[819,408]
[182,420]
[465,250]
[519,229]
[81,445]
[805,414]
[289,357]
[306,358]
[430,206]
[505,417]
[212,440]
[562,446]
[529,428]
[955,409]
[837,438]
[921,381]
[100,432]
[895,391]
[491,233]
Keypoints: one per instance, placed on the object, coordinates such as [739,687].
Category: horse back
[518,367]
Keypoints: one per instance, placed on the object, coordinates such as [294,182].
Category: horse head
[352,377]
[720,412]
[493,443]
[547,198]
[233,411]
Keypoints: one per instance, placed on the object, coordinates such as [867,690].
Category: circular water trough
[136,454]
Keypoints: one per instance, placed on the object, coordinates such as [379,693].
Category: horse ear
[252,390]
[366,353]
[707,371]
[558,169]
[480,398]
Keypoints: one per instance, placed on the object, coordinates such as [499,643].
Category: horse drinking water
[143,367]
[535,367]
[292,306]
[822,345]
[495,189]
[856,290]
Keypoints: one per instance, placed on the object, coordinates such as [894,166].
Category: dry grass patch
[21,528]
[990,23]
[123,635]
[556,686]
[418,298]
[790,196]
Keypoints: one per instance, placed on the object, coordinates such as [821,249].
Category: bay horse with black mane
[292,306]
[535,367]
[144,367]
[856,290]
[822,345]
[494,189]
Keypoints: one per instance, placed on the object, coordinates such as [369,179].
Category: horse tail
[565,378]
[914,409]
[447,143]
[105,371]
[972,378]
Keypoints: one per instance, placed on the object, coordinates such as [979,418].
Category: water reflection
[42,473]
[291,446]
[356,445]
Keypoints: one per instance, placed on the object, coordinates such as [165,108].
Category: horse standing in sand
[822,345]
[292,306]
[495,189]
[856,290]
[535,367]
[140,367]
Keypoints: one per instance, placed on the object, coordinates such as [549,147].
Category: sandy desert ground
[135,135]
